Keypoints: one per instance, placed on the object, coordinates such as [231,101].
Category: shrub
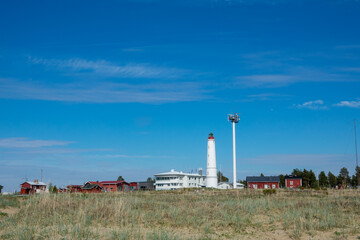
[269,191]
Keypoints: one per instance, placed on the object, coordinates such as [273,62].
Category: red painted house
[133,186]
[92,187]
[32,187]
[75,188]
[263,182]
[293,181]
[115,186]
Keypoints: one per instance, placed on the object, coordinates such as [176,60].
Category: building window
[291,182]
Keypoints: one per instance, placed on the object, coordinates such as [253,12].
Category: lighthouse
[211,173]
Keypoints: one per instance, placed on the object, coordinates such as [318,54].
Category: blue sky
[93,90]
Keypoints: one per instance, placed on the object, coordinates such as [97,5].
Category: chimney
[36,181]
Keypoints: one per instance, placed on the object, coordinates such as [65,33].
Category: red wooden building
[32,187]
[133,186]
[263,182]
[75,188]
[293,181]
[92,187]
[115,186]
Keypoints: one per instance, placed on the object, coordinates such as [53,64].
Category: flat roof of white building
[173,172]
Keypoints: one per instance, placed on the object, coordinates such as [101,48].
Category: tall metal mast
[357,162]
[234,118]
[356,156]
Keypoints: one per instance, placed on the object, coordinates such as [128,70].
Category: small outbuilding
[32,187]
[224,185]
[75,188]
[92,187]
[293,181]
[263,182]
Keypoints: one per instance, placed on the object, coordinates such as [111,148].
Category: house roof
[113,182]
[263,179]
[173,172]
[89,185]
[35,183]
[292,177]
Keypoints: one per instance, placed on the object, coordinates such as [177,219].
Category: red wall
[296,183]
[261,185]
[94,190]
[107,187]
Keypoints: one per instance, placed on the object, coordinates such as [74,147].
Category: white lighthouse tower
[211,172]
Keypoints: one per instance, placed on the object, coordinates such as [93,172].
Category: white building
[174,180]
[224,185]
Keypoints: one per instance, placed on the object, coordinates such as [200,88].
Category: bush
[269,191]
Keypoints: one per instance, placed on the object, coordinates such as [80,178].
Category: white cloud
[314,105]
[108,69]
[271,80]
[103,92]
[266,97]
[26,143]
[350,104]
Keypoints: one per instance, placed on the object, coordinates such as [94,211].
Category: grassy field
[242,214]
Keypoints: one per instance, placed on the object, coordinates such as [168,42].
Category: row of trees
[324,180]
[1,187]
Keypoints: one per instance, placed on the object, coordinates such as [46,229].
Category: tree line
[329,180]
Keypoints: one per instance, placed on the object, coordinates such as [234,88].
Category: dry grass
[241,214]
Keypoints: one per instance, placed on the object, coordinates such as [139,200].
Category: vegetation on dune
[184,215]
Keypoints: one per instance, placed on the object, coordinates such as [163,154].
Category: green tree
[306,178]
[313,183]
[357,174]
[261,175]
[297,172]
[353,181]
[243,182]
[1,187]
[323,181]
[55,189]
[149,179]
[221,177]
[120,178]
[343,177]
[282,180]
[332,180]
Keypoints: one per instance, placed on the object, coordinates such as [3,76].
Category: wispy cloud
[313,105]
[133,156]
[27,143]
[109,69]
[272,80]
[103,92]
[350,104]
[266,97]
[300,160]
[348,47]
[353,69]
[293,76]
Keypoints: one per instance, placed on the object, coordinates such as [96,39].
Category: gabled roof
[35,183]
[113,182]
[263,179]
[292,177]
[91,185]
